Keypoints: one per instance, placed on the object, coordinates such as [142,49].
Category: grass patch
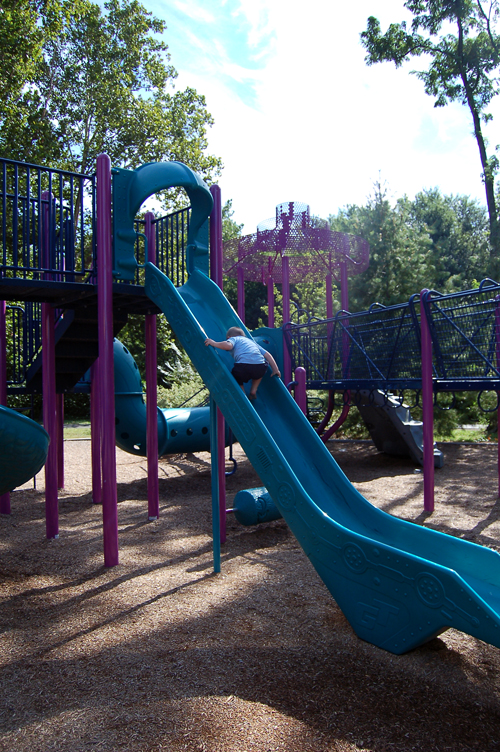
[76,430]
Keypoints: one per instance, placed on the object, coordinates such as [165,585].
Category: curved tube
[23,449]
[184,429]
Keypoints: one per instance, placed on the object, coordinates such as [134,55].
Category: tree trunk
[488,176]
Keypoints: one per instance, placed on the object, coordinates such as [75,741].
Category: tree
[458,229]
[459,40]
[104,83]
[400,252]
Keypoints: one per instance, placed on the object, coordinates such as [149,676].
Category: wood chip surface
[158,653]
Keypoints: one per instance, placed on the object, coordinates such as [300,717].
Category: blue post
[215,484]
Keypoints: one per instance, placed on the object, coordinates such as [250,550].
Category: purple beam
[344,287]
[4,498]
[497,348]
[241,293]
[285,270]
[49,381]
[329,296]
[152,389]
[50,419]
[216,259]
[60,440]
[106,366]
[95,433]
[427,408]
[270,302]
[300,389]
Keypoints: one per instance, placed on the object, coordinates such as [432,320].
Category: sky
[299,116]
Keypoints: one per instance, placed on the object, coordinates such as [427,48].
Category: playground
[158,653]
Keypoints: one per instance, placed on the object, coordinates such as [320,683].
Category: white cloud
[299,115]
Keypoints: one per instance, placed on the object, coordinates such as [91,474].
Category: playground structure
[290,248]
[295,247]
[397,583]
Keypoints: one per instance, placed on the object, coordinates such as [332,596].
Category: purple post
[241,293]
[216,237]
[329,296]
[50,420]
[106,366]
[60,440]
[4,498]
[152,389]
[497,342]
[270,302]
[285,271]
[427,407]
[49,381]
[96,433]
[344,287]
[216,260]
[300,389]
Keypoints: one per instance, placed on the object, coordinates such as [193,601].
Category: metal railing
[47,223]
[380,348]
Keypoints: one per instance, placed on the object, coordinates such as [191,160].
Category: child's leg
[255,386]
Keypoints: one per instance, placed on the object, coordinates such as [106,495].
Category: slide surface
[398,584]
[23,449]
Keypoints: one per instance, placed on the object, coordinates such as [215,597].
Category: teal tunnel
[184,429]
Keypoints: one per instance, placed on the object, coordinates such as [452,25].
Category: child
[250,359]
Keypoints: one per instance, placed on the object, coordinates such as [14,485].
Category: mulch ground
[159,653]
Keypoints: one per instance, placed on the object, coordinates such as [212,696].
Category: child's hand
[276,373]
[208,342]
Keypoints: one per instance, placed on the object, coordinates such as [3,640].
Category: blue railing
[171,233]
[47,223]
[380,348]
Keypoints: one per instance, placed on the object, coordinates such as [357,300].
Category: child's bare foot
[252,396]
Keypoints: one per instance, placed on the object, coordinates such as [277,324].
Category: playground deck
[160,654]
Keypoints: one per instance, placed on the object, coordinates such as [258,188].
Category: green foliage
[102,83]
[230,228]
[459,42]
[400,252]
[435,241]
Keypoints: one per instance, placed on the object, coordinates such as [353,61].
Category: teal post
[214,458]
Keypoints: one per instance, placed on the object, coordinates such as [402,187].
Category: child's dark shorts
[244,372]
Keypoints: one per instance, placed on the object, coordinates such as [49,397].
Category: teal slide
[398,584]
[23,449]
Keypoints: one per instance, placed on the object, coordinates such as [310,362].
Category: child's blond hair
[235,331]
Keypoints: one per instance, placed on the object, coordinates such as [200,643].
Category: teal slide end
[23,449]
[397,583]
[184,429]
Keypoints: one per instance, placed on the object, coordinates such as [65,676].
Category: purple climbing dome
[313,249]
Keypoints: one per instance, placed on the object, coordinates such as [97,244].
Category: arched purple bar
[106,365]
[4,498]
[427,407]
[151,388]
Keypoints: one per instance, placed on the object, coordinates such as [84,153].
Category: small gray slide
[392,428]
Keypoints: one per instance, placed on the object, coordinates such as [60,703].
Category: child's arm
[219,345]
[272,363]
